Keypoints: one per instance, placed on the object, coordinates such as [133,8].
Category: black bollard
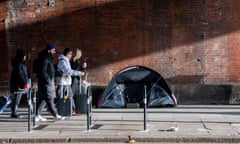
[145,107]
[29,97]
[34,107]
[88,110]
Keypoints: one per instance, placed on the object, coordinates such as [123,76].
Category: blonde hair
[77,54]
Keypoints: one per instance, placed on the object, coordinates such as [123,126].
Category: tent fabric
[127,86]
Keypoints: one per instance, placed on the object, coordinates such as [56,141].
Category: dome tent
[127,86]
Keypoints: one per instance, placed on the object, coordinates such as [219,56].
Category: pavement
[181,124]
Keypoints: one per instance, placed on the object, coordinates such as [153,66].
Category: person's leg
[73,103]
[41,107]
[38,105]
[73,106]
[13,111]
[71,96]
[41,95]
[51,106]
[14,106]
[51,95]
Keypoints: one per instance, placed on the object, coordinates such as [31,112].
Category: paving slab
[182,124]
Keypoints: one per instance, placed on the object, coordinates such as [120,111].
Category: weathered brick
[187,42]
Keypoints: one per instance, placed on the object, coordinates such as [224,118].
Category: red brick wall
[186,41]
[3,45]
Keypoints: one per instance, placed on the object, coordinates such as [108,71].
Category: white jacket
[64,66]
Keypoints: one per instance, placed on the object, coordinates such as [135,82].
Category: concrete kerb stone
[125,139]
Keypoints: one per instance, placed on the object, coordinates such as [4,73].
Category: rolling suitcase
[81,103]
[81,99]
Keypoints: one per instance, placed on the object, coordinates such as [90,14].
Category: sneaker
[48,110]
[74,112]
[40,118]
[15,115]
[58,118]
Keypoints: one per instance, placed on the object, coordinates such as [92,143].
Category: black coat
[75,65]
[19,75]
[48,68]
[46,85]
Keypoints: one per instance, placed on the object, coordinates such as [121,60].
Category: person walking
[18,81]
[46,84]
[64,81]
[76,65]
[77,82]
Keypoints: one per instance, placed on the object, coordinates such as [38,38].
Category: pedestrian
[75,61]
[77,82]
[18,81]
[64,80]
[46,84]
[76,65]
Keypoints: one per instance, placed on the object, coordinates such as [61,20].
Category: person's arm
[45,66]
[66,69]
[22,73]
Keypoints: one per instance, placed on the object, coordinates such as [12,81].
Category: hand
[25,86]
[82,73]
[84,65]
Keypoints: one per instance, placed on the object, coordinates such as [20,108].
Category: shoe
[74,112]
[15,115]
[48,110]
[40,118]
[58,118]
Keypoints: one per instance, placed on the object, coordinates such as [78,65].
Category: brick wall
[186,41]
[3,45]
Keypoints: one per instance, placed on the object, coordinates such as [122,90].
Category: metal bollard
[29,100]
[29,97]
[145,108]
[89,108]
[34,107]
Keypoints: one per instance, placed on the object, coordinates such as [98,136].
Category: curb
[124,140]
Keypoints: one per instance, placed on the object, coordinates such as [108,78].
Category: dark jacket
[46,85]
[19,75]
[48,70]
[75,65]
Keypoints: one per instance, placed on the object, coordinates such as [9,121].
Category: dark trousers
[15,102]
[46,93]
[42,101]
